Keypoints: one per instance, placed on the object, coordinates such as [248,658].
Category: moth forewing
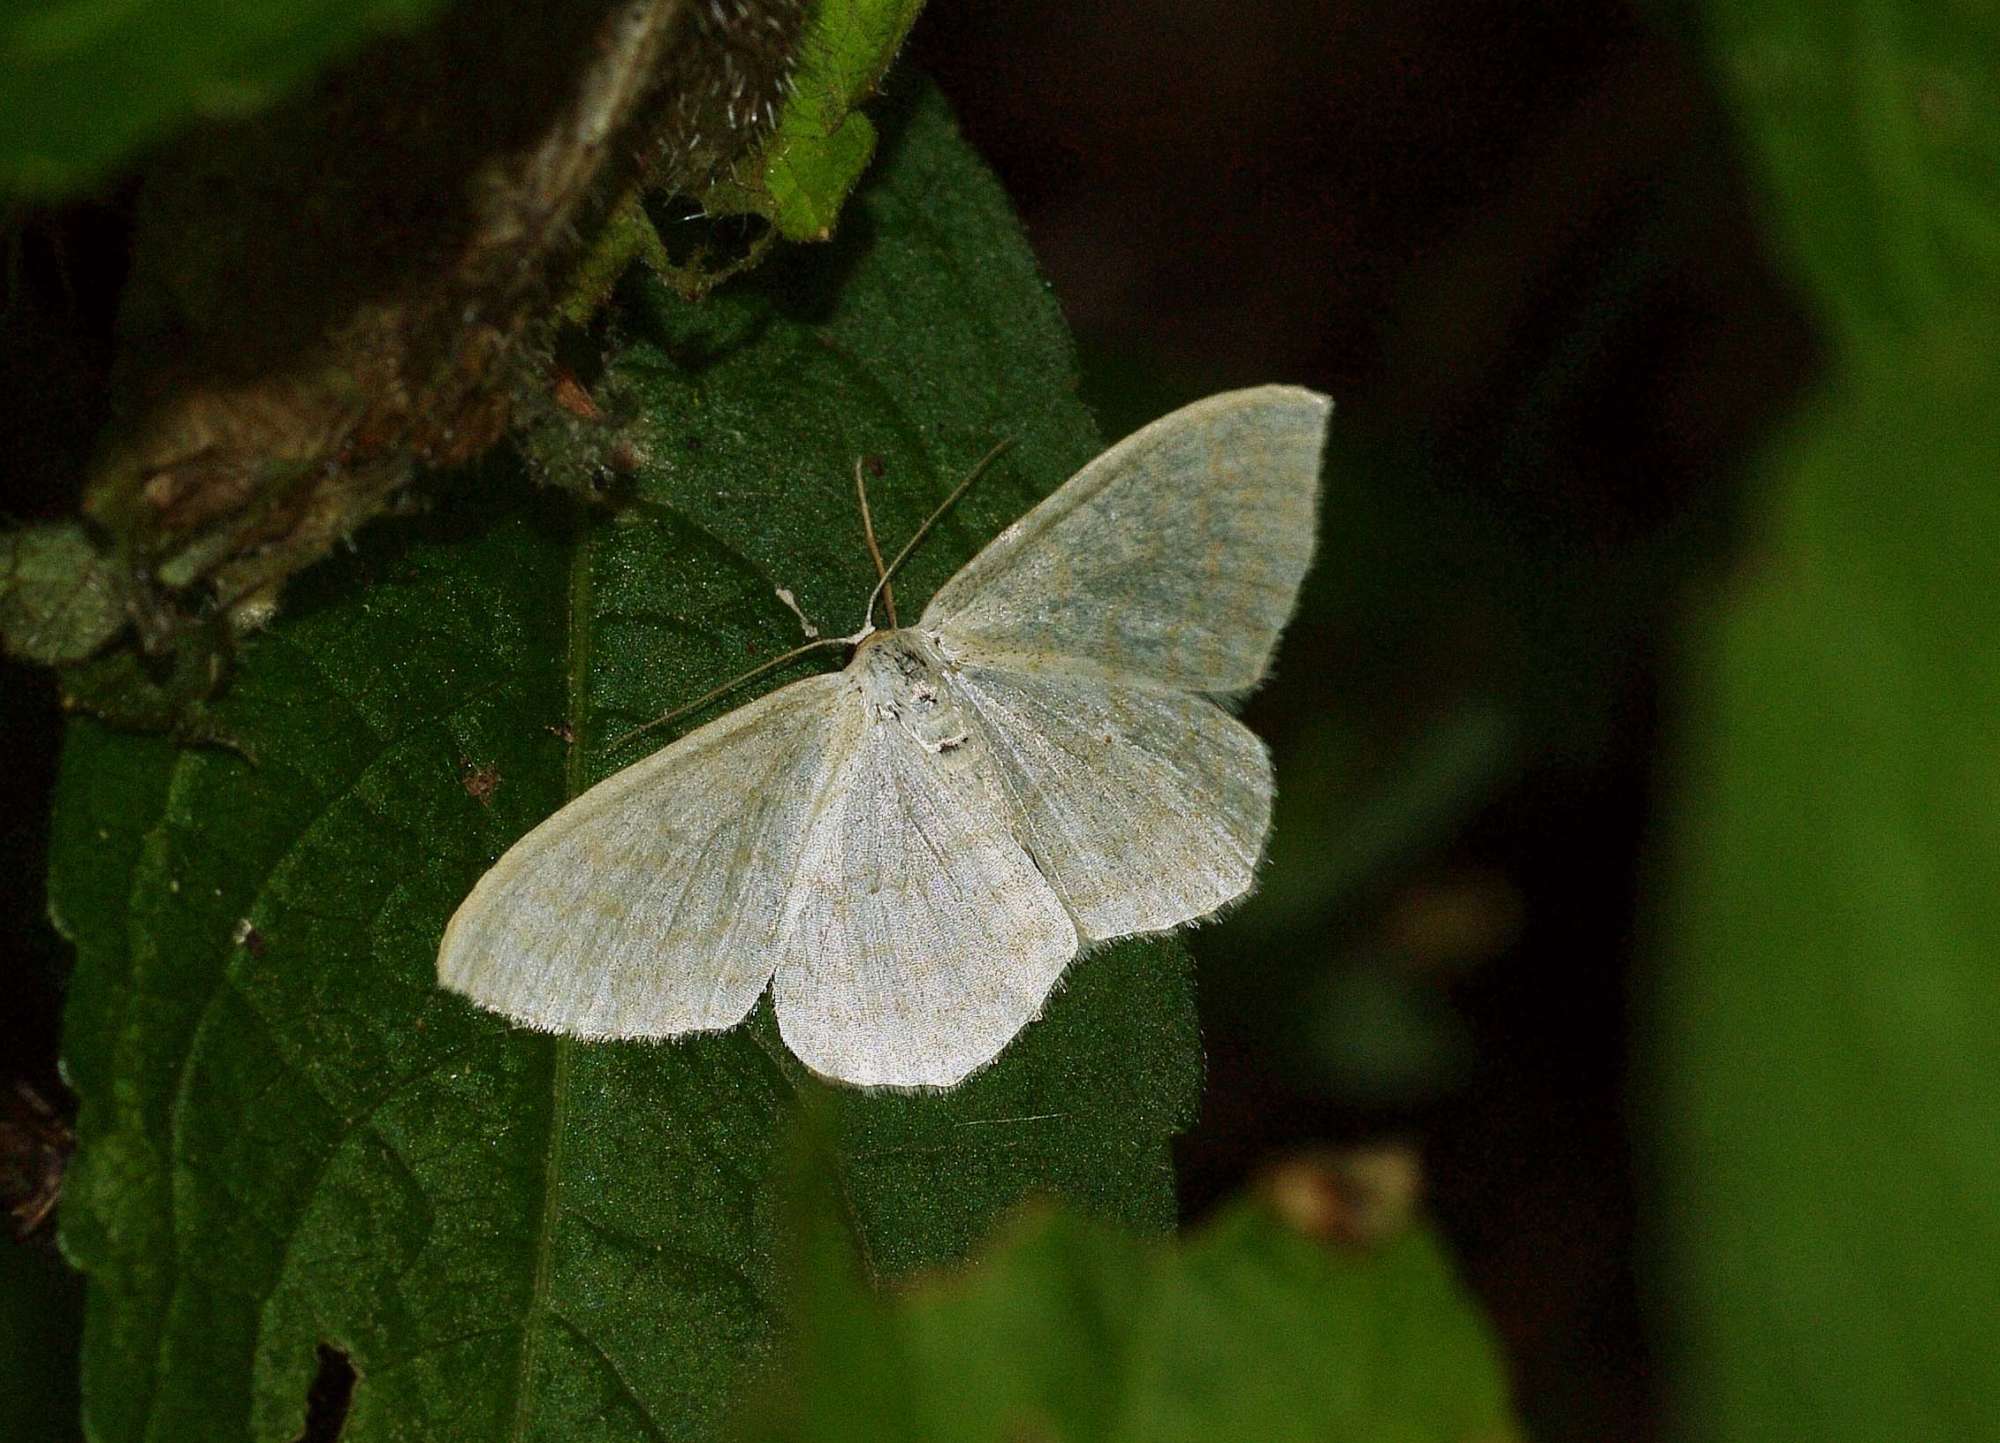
[647,907]
[1175,557]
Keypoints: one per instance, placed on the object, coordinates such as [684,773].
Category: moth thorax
[902,682]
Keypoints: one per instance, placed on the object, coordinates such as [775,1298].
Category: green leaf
[289,1134]
[1070,1329]
[823,143]
[1877,127]
[84,85]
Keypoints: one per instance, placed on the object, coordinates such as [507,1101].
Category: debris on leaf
[1357,1196]
[62,597]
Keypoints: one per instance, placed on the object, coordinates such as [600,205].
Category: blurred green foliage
[1874,125]
[1826,1089]
[84,85]
[1069,1329]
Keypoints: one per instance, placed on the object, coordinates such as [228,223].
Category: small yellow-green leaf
[822,142]
[808,176]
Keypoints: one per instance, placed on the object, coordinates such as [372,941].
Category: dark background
[1514,245]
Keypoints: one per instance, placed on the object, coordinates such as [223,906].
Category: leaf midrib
[577,645]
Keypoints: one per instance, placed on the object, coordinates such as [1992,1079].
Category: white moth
[910,851]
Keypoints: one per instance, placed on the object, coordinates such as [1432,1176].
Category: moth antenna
[728,686]
[868,618]
[883,573]
[874,551]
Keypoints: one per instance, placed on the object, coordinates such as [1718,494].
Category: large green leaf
[84,84]
[1068,1329]
[288,1134]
